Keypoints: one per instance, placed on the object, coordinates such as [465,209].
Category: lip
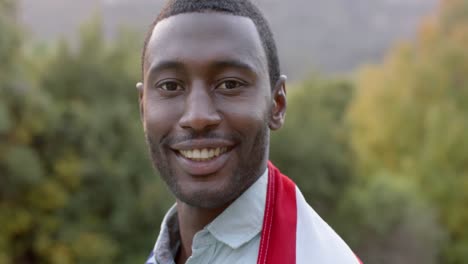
[202,143]
[202,168]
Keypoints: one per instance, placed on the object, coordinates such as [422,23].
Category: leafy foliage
[378,216]
[313,148]
[409,117]
[76,184]
[386,220]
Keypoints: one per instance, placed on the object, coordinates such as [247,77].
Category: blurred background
[376,134]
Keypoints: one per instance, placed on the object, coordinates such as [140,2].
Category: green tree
[409,118]
[386,220]
[76,185]
[379,216]
[312,148]
[9,43]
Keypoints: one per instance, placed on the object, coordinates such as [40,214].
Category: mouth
[204,154]
[203,159]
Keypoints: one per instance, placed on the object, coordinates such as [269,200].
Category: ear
[278,109]
[140,89]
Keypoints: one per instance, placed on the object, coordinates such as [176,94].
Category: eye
[230,84]
[169,86]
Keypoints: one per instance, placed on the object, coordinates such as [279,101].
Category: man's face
[206,106]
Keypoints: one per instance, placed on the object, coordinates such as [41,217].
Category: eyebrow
[216,65]
[165,65]
[233,63]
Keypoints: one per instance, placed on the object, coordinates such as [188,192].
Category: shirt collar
[243,219]
[168,241]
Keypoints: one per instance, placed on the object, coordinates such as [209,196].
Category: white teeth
[196,154]
[203,154]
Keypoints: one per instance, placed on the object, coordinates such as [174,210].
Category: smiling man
[211,93]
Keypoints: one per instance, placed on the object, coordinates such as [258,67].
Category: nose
[200,112]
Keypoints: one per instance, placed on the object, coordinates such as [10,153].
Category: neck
[191,220]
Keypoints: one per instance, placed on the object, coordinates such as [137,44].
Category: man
[210,95]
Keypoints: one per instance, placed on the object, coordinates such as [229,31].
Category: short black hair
[243,8]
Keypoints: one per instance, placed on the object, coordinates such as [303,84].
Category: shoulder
[317,240]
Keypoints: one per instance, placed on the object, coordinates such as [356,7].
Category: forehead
[204,37]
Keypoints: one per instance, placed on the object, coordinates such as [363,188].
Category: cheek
[246,117]
[250,108]
[160,116]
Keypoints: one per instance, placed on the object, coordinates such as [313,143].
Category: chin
[210,194]
[207,199]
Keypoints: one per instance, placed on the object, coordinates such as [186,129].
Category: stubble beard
[247,172]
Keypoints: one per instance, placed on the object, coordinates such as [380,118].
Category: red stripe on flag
[278,241]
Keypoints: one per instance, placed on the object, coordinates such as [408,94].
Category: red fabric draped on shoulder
[278,242]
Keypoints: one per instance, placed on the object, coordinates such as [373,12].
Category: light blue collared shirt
[232,237]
